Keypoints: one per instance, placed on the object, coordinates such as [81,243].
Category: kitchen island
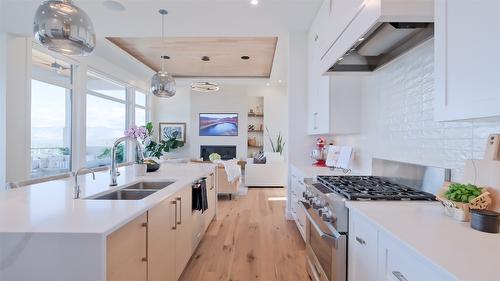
[55,237]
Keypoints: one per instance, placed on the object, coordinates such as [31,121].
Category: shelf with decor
[255,115]
[256,126]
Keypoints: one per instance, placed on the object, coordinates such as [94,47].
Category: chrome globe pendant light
[62,27]
[162,83]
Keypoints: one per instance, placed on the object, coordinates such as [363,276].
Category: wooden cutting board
[485,173]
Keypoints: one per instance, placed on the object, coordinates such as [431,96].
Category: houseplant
[280,143]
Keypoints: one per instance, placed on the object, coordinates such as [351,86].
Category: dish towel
[199,194]
[233,170]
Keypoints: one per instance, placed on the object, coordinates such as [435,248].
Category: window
[106,119]
[51,87]
[140,108]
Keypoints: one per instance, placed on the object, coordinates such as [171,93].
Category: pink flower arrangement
[136,132]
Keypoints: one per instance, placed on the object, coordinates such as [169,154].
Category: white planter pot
[140,169]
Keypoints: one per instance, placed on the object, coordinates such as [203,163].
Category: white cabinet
[318,94]
[333,102]
[375,255]
[297,187]
[467,80]
[363,249]
[335,16]
[396,262]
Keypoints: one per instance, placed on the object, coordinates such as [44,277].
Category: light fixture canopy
[254,2]
[162,83]
[62,27]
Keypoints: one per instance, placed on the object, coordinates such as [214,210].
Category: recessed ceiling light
[205,58]
[245,57]
[114,5]
[279,81]
[254,2]
[268,84]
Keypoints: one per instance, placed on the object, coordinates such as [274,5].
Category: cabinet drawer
[363,249]
[396,263]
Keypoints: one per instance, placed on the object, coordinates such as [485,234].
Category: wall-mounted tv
[218,124]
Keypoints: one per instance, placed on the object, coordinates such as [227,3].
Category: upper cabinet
[467,82]
[335,16]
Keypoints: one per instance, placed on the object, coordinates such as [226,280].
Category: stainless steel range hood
[382,44]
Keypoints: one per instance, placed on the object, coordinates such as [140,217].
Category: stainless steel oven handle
[399,276]
[335,234]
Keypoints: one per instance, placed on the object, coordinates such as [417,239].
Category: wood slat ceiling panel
[186,52]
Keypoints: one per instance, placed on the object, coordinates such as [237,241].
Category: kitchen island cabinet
[126,254]
[100,240]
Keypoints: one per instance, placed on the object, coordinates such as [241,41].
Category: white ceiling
[186,18]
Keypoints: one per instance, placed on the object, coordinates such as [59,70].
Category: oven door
[326,248]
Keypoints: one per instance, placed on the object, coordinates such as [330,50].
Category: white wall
[275,113]
[186,105]
[397,119]
[3,80]
[175,109]
[17,109]
[229,99]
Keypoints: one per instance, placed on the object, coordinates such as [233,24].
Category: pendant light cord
[162,39]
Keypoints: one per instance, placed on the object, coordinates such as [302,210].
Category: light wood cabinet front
[161,241]
[126,252]
[183,234]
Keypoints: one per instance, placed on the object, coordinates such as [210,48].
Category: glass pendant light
[62,27]
[162,83]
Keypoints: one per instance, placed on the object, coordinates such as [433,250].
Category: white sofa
[272,174]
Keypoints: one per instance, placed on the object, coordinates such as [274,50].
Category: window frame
[78,108]
[70,106]
[125,102]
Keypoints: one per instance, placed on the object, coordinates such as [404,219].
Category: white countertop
[49,207]
[453,246]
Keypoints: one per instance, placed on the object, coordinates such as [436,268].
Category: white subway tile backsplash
[398,119]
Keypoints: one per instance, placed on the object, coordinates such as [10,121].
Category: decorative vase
[140,169]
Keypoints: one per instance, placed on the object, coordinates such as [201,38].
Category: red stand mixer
[319,152]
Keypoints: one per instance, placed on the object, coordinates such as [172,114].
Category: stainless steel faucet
[76,191]
[114,170]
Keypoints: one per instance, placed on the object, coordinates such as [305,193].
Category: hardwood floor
[250,240]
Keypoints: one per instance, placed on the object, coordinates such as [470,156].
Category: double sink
[135,191]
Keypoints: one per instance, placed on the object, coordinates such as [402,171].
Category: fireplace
[226,152]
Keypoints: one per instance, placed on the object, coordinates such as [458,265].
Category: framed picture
[218,124]
[167,130]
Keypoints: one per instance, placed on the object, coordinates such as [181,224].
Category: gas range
[372,188]
[324,203]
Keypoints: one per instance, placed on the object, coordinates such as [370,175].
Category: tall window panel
[51,88]
[140,108]
[106,119]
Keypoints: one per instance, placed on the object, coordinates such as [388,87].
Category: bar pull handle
[180,210]
[399,276]
[175,217]
[360,240]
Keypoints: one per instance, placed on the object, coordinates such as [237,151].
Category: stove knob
[327,216]
[306,195]
[317,203]
[322,210]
